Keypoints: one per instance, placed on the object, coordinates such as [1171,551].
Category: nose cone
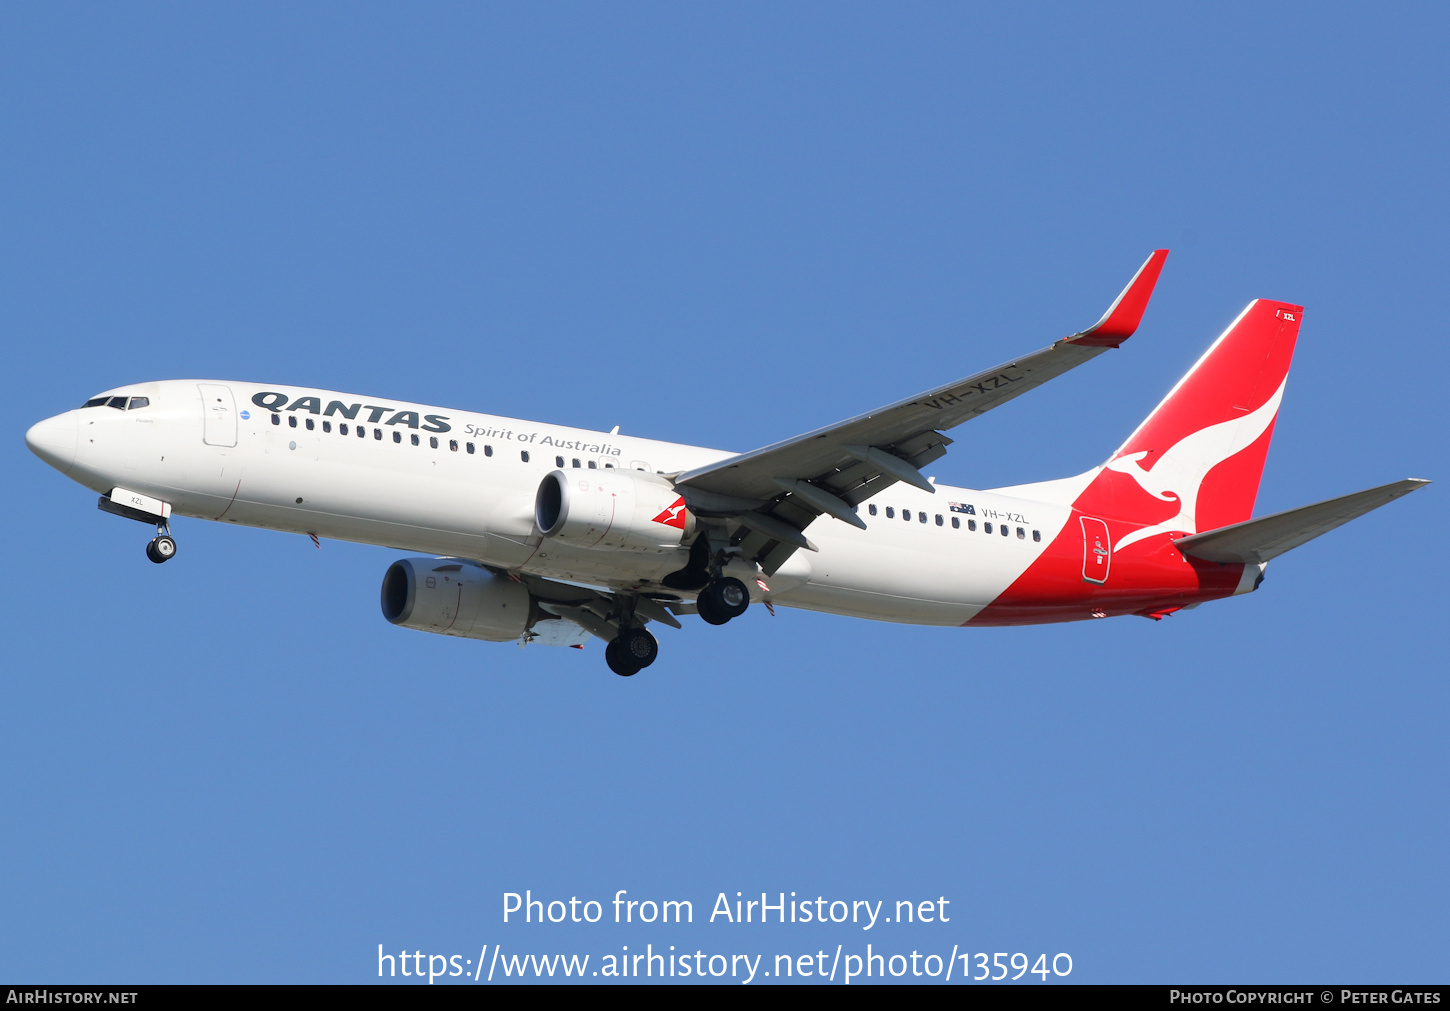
[54,440]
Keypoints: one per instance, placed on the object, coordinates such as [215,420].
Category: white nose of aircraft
[54,440]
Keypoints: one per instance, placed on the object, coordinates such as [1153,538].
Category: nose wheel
[162,547]
[723,599]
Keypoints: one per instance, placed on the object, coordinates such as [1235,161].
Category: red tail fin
[1195,463]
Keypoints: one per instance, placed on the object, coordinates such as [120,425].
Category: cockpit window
[119,403]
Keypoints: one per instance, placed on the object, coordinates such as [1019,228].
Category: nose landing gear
[162,547]
[153,512]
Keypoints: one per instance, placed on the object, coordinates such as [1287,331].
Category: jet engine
[451,597]
[612,510]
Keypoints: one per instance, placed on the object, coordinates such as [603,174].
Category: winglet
[1126,312]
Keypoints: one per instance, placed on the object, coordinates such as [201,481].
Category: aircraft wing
[1267,537]
[776,491]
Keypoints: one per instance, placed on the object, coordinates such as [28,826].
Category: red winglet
[1126,312]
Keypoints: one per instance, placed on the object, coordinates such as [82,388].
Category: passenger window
[378,434]
[469,447]
[119,403]
[453,445]
[342,429]
[413,437]
[276,420]
[397,435]
[938,519]
[1004,529]
[524,455]
[593,465]
[432,442]
[1021,534]
[95,402]
[608,465]
[291,421]
[327,426]
[906,515]
[487,450]
[921,517]
[956,523]
[576,461]
[139,402]
[558,461]
[971,524]
[310,426]
[987,528]
[890,513]
[871,509]
[362,433]
[1037,535]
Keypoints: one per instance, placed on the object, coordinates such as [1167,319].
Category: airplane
[544,534]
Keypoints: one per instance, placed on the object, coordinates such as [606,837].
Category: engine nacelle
[612,510]
[451,597]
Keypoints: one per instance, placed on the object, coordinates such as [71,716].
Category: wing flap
[1257,541]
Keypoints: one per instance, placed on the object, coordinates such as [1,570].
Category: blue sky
[721,227]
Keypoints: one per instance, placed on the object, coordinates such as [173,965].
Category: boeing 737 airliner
[538,533]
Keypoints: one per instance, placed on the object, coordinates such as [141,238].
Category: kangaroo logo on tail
[1179,472]
[1202,449]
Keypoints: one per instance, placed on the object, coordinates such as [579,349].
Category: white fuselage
[209,451]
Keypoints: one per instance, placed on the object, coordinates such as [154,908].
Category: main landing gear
[719,597]
[631,651]
[162,547]
[723,599]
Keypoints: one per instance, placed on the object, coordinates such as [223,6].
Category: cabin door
[1097,551]
[219,415]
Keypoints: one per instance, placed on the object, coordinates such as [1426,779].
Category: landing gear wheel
[617,661]
[708,610]
[722,600]
[161,548]
[631,651]
[639,647]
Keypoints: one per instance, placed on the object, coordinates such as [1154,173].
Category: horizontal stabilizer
[1255,541]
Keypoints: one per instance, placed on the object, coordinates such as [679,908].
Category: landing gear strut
[162,548]
[723,599]
[631,651]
